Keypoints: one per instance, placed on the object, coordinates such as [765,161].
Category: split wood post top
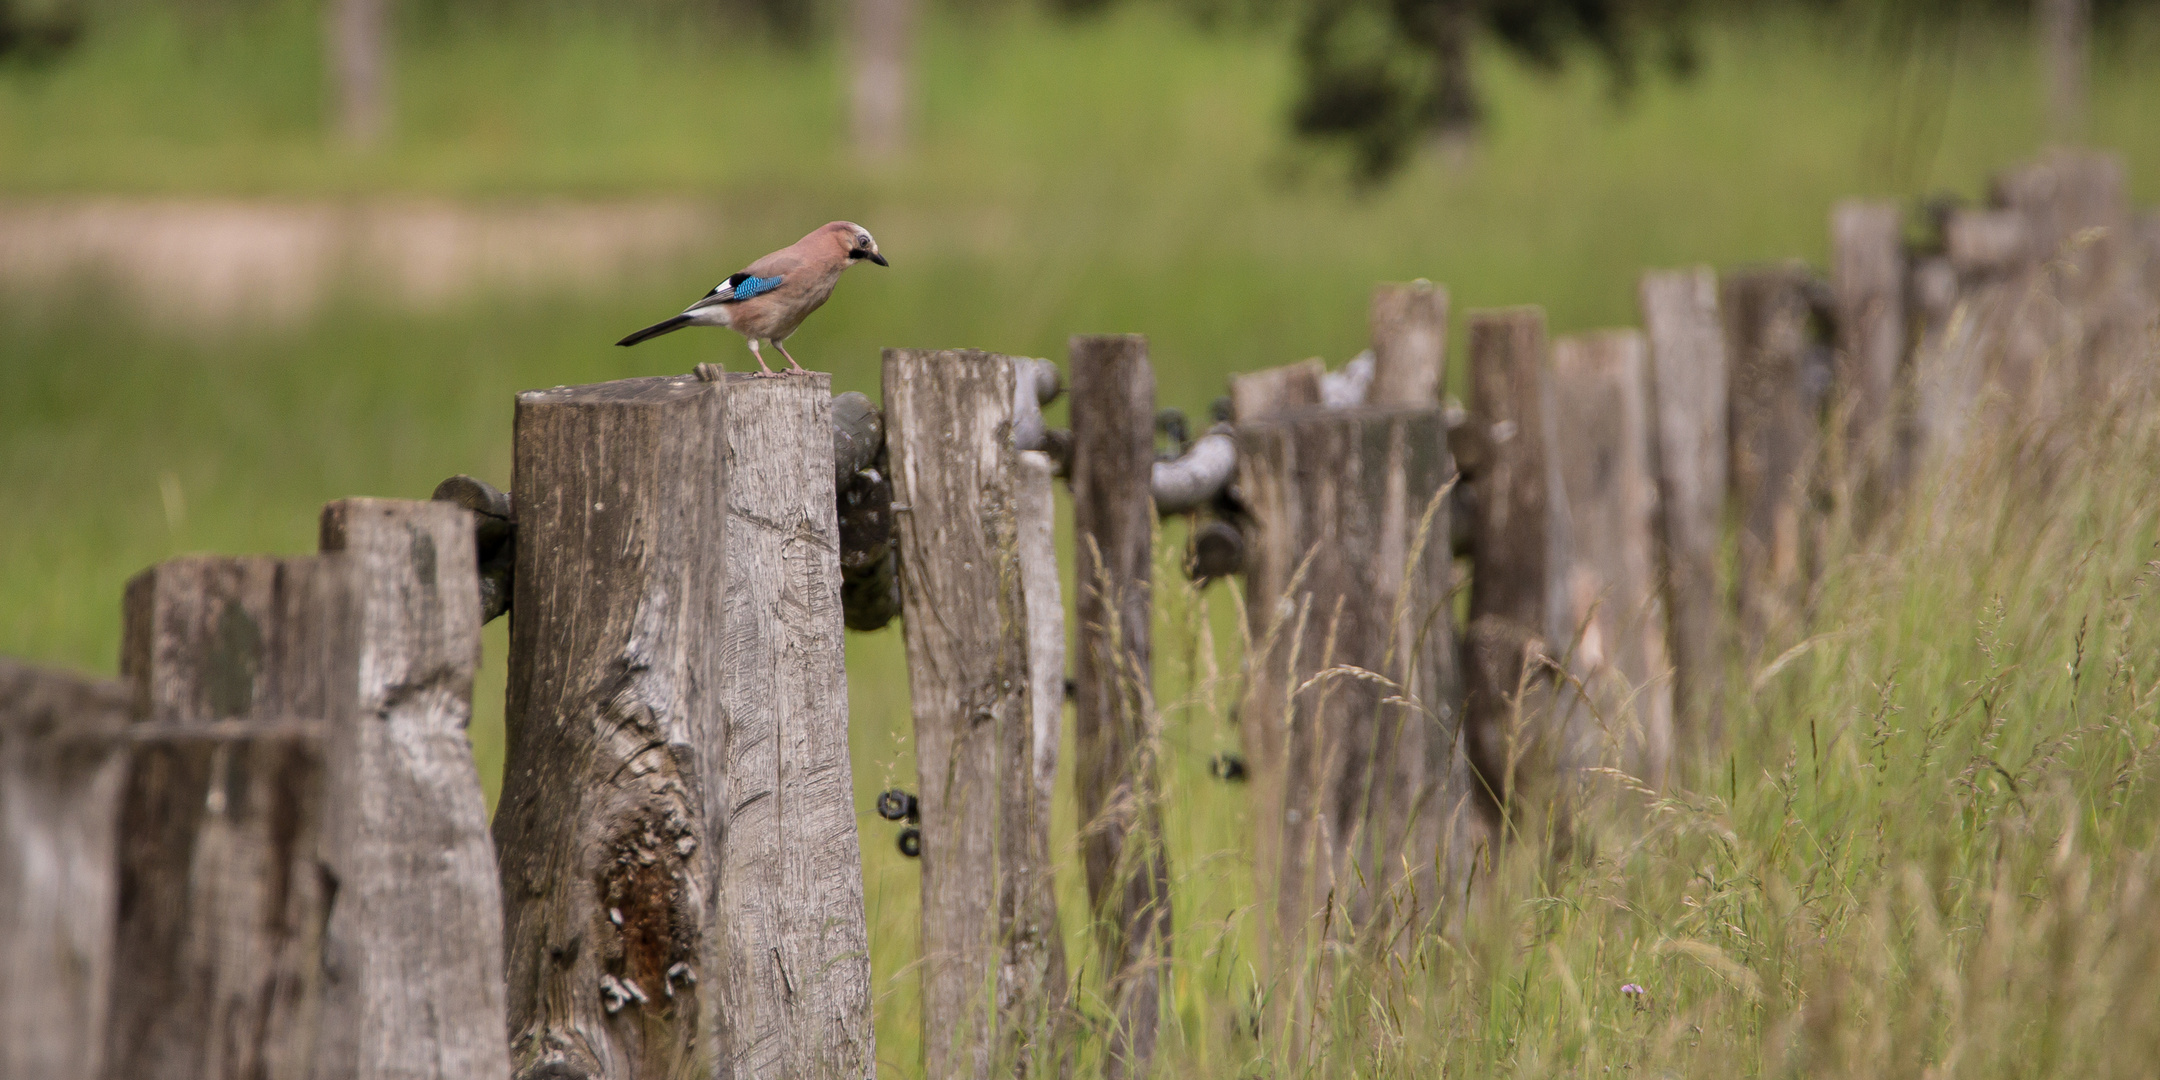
[1128,877]
[1518,549]
[1614,604]
[302,740]
[1262,394]
[62,761]
[614,782]
[1867,278]
[989,917]
[1688,376]
[796,997]
[1777,397]
[1348,566]
[1409,343]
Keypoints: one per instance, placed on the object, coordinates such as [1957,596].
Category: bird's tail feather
[665,326]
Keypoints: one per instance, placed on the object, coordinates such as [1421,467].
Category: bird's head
[858,242]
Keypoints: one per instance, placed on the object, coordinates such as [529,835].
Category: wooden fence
[263,852]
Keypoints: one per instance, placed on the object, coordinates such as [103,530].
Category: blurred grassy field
[1127,174]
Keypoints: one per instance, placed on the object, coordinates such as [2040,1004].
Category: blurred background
[256,255]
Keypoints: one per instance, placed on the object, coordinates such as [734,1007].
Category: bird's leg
[782,346]
[760,359]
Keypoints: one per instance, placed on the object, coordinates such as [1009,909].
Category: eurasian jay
[775,294]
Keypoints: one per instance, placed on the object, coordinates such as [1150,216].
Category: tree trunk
[881,56]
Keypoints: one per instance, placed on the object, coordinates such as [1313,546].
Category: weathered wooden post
[1867,279]
[62,760]
[795,997]
[991,991]
[1409,342]
[1688,380]
[412,955]
[1355,771]
[1273,391]
[1518,748]
[615,784]
[1614,607]
[1128,874]
[306,885]
[221,900]
[1776,443]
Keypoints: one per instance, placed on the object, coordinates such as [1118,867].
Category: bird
[771,297]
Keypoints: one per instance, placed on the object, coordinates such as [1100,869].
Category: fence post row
[1128,874]
[992,962]
[62,762]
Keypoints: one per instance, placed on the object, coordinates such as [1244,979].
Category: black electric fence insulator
[911,842]
[1228,767]
[1170,423]
[896,804]
[1218,550]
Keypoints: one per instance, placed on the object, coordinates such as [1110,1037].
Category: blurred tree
[1381,75]
[34,32]
[360,69]
[881,49]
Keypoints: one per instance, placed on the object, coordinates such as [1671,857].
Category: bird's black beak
[878,259]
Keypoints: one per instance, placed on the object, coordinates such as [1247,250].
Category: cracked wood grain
[788,898]
[614,788]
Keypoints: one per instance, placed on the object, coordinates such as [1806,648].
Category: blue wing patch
[744,286]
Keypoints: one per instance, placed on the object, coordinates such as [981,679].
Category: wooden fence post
[1688,380]
[1776,443]
[1511,733]
[795,998]
[1349,568]
[412,953]
[1409,342]
[307,888]
[1867,277]
[1128,873]
[222,902]
[615,783]
[1261,395]
[1614,605]
[62,761]
[989,916]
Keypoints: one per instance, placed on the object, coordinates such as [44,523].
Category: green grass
[1868,891]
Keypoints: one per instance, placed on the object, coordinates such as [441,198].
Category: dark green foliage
[1380,74]
[34,34]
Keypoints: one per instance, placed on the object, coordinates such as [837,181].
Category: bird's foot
[793,367]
